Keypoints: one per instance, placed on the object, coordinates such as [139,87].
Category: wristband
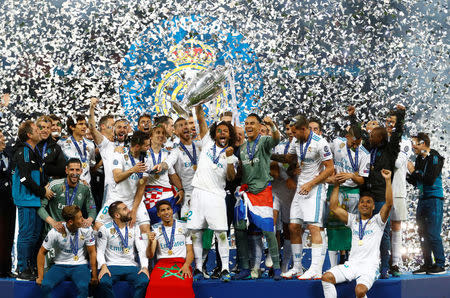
[230,160]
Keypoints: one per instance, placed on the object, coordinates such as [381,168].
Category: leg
[296,233]
[223,248]
[287,251]
[81,276]
[433,230]
[197,244]
[273,248]
[385,244]
[241,234]
[52,278]
[328,282]
[105,286]
[421,229]
[36,237]
[139,281]
[315,270]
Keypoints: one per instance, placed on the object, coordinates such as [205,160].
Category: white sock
[316,256]
[329,290]
[333,256]
[222,243]
[198,248]
[256,246]
[324,249]
[396,247]
[297,254]
[287,254]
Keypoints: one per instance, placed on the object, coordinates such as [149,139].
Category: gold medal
[302,163]
[81,237]
[126,250]
[112,231]
[141,181]
[40,169]
[170,252]
[360,242]
[64,235]
[75,258]
[156,176]
[84,165]
[195,167]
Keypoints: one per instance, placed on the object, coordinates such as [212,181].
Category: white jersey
[61,244]
[369,252]
[182,164]
[182,238]
[162,178]
[342,163]
[209,176]
[401,169]
[317,152]
[107,148]
[126,189]
[171,143]
[279,185]
[70,151]
[110,249]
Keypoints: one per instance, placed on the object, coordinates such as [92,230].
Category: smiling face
[289,131]
[73,171]
[418,146]
[192,128]
[182,130]
[366,206]
[158,136]
[144,124]
[314,126]
[123,213]
[240,136]
[35,136]
[169,128]
[80,128]
[252,127]
[390,123]
[44,129]
[121,130]
[165,212]
[222,135]
[56,128]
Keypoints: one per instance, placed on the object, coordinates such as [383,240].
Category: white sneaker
[255,273]
[268,262]
[310,274]
[294,272]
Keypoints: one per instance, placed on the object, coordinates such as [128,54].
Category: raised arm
[386,209]
[338,211]
[137,199]
[231,172]
[201,121]
[96,135]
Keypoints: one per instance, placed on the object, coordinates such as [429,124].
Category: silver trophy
[204,87]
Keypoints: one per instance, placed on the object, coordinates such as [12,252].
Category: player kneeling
[367,231]
[171,241]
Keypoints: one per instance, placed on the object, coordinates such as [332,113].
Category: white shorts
[208,210]
[142,217]
[309,209]
[399,212]
[283,205]
[359,272]
[186,206]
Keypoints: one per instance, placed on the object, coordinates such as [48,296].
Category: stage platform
[407,286]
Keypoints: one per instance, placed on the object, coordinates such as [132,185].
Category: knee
[142,281]
[105,281]
[294,228]
[328,277]
[360,290]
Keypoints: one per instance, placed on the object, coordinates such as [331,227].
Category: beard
[125,218]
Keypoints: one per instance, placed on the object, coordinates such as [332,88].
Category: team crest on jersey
[68,141]
[46,239]
[115,162]
[100,235]
[406,149]
[309,149]
[126,157]
[326,149]
[112,231]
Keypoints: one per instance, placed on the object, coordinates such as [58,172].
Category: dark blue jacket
[28,181]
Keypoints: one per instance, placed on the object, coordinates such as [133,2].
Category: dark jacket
[427,175]
[54,160]
[385,156]
[28,181]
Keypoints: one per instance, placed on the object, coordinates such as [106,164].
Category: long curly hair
[212,132]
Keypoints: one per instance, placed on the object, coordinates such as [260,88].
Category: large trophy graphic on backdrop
[204,87]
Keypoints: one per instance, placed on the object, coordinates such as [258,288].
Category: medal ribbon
[133,162]
[75,143]
[172,235]
[153,157]
[373,156]
[216,160]
[124,240]
[74,244]
[250,156]
[355,164]
[362,228]
[44,148]
[70,200]
[192,157]
[39,160]
[303,152]
[286,148]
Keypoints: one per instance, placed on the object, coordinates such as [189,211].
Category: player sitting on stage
[70,257]
[116,255]
[171,241]
[367,230]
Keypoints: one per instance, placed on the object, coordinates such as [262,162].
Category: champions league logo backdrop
[160,64]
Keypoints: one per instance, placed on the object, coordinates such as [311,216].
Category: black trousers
[7,223]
